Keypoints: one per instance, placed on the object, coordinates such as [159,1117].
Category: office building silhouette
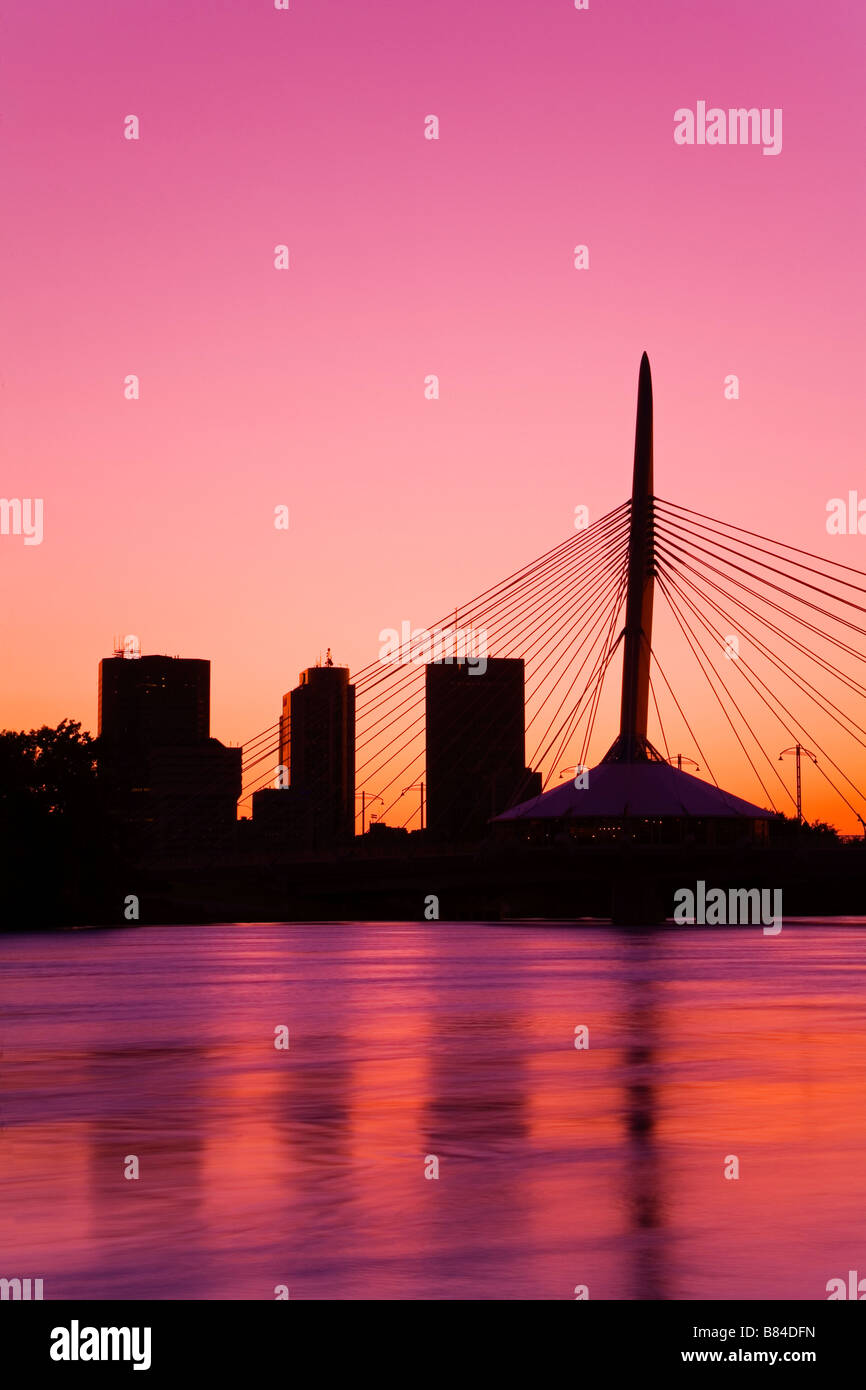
[317,750]
[172,786]
[475,745]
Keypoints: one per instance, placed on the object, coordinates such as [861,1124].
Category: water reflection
[557,1166]
[643,1166]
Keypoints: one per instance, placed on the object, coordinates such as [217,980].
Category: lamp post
[365,797]
[679,760]
[413,787]
[798,750]
[580,770]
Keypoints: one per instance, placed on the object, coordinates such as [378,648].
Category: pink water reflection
[558,1167]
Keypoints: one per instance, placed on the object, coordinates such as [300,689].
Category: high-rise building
[475,745]
[317,748]
[154,701]
[172,786]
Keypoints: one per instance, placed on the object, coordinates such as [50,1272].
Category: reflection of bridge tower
[643,1189]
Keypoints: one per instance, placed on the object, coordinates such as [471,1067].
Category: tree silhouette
[58,853]
[47,771]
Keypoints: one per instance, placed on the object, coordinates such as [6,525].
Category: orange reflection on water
[557,1167]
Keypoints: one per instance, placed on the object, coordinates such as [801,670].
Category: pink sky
[408,257]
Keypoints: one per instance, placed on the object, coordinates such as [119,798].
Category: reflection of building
[317,748]
[174,786]
[475,746]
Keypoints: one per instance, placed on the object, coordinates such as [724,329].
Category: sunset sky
[408,257]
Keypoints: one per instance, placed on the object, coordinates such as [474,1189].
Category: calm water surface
[557,1166]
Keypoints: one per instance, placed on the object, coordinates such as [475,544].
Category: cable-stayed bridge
[770,636]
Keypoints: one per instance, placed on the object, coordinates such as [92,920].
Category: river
[560,1168]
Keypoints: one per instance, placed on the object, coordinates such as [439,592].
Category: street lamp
[797,750]
[365,797]
[413,787]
